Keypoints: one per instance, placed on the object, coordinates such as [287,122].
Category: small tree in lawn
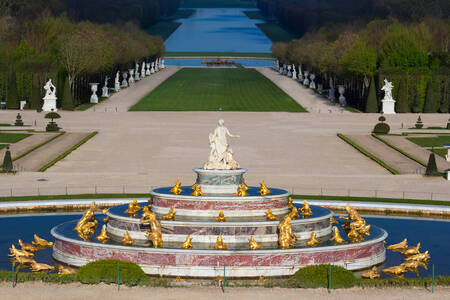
[431,166]
[52,126]
[19,121]
[7,161]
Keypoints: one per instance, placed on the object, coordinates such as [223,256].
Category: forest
[358,44]
[74,42]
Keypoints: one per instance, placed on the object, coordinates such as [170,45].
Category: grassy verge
[85,106]
[67,152]
[399,150]
[368,154]
[255,15]
[3,146]
[164,29]
[72,197]
[352,109]
[438,141]
[441,152]
[180,14]
[37,147]
[217,3]
[3,124]
[275,32]
[218,54]
[221,89]
[12,138]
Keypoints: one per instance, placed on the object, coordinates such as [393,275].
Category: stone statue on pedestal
[94,97]
[105,91]
[117,82]
[388,103]
[331,91]
[147,72]
[294,73]
[136,73]
[125,81]
[152,70]
[131,79]
[143,70]
[221,155]
[50,97]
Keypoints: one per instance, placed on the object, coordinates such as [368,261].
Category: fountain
[220,222]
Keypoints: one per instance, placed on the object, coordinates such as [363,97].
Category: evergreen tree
[7,161]
[402,102]
[12,99]
[67,99]
[372,103]
[431,166]
[430,100]
[36,96]
[444,103]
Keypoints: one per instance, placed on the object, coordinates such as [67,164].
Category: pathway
[126,98]
[390,156]
[304,96]
[27,143]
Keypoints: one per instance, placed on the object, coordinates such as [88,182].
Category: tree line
[406,42]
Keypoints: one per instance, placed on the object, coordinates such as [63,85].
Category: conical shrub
[431,166]
[7,161]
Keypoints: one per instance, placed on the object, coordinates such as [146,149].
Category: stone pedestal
[388,107]
[22,104]
[219,181]
[49,104]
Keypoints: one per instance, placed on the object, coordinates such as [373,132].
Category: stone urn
[306,79]
[312,84]
[131,79]
[152,70]
[94,89]
[147,71]
[125,81]
[342,100]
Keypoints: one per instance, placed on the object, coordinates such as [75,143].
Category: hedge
[317,277]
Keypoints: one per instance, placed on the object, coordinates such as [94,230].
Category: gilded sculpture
[66,270]
[423,257]
[41,243]
[264,190]
[333,221]
[220,245]
[286,238]
[188,243]
[27,247]
[252,244]
[198,191]
[87,224]
[242,190]
[337,239]
[395,271]
[170,216]
[399,247]
[38,267]
[289,203]
[409,251]
[371,274]
[270,216]
[103,237]
[155,236]
[221,217]
[176,190]
[306,210]
[245,185]
[312,242]
[127,240]
[19,253]
[293,214]
[133,209]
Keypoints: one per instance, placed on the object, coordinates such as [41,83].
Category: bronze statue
[220,245]
[270,216]
[423,257]
[371,274]
[286,238]
[221,217]
[312,242]
[411,250]
[127,240]
[133,209]
[293,214]
[337,239]
[103,237]
[188,243]
[263,190]
[252,244]
[176,190]
[170,216]
[399,247]
[306,210]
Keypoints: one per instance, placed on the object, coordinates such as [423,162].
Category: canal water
[218,30]
[431,233]
[194,62]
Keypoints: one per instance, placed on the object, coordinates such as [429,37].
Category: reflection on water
[192,62]
[433,235]
[218,30]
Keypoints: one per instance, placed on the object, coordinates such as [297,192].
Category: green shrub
[431,166]
[106,271]
[40,276]
[317,277]
[381,128]
[7,161]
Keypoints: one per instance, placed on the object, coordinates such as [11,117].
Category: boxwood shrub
[130,274]
[317,277]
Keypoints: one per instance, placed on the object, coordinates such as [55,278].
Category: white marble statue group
[221,154]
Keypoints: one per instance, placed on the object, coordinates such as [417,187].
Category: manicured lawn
[431,141]
[275,32]
[13,137]
[257,15]
[201,89]
[163,29]
[3,146]
[219,54]
[217,3]
[440,152]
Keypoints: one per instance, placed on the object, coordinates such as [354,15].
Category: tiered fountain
[219,222]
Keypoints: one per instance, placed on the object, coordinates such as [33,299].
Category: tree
[402,105]
[52,126]
[431,166]
[12,99]
[431,103]
[7,161]
[372,103]
[67,99]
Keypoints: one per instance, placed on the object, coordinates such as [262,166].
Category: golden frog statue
[337,239]
[37,267]
[187,244]
[221,217]
[242,191]
[270,216]
[220,245]
[155,236]
[103,237]
[312,242]
[41,243]
[395,271]
[252,244]
[127,240]
[176,190]
[66,270]
[27,247]
[371,274]
[306,210]
[133,209]
[170,216]
[263,190]
[399,247]
[198,191]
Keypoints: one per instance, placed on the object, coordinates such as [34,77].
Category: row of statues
[241,190]
[23,258]
[132,75]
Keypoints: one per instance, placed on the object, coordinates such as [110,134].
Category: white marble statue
[124,81]
[294,73]
[289,74]
[388,103]
[117,82]
[312,84]
[152,70]
[342,100]
[136,73]
[131,78]
[105,91]
[306,79]
[163,63]
[147,71]
[331,91]
[300,73]
[157,65]
[94,89]
[143,70]
[50,97]
[221,155]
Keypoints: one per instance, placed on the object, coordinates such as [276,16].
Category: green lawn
[13,137]
[201,89]
[256,15]
[440,152]
[219,54]
[218,3]
[431,141]
[275,32]
[3,146]
[163,29]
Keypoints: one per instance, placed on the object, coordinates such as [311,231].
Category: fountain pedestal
[219,181]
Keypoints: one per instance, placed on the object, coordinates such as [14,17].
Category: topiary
[7,161]
[19,121]
[317,277]
[419,123]
[372,103]
[105,271]
[431,166]
[381,128]
[52,126]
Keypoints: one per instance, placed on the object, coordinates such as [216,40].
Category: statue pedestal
[49,104]
[219,181]
[388,107]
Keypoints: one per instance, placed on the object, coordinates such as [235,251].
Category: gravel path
[27,143]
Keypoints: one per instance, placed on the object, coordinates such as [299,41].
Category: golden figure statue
[242,191]
[253,245]
[188,243]
[286,237]
[87,223]
[289,203]
[333,221]
[170,216]
[103,237]
[37,267]
[312,242]
[155,236]
[412,266]
[395,271]
[352,216]
[220,245]
[399,247]
[127,240]
[270,216]
[371,274]
[337,239]
[263,190]
[41,243]
[221,217]
[27,247]
[411,250]
[133,209]
[66,270]
[354,236]
[106,219]
[423,257]
[19,253]
[150,202]
[176,189]
[305,210]
[198,191]
[293,214]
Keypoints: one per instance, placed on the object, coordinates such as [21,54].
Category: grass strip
[398,149]
[368,154]
[85,106]
[37,147]
[73,197]
[220,54]
[276,33]
[67,152]
[12,138]
[352,109]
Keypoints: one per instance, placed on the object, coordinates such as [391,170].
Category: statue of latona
[221,155]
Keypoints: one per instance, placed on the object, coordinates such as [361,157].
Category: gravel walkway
[27,143]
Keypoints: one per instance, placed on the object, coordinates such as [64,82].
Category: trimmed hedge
[6,276]
[317,277]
